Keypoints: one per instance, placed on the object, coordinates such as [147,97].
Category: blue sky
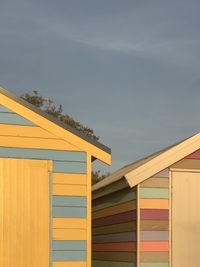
[128,69]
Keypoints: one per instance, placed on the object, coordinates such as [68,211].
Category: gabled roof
[50,123]
[144,168]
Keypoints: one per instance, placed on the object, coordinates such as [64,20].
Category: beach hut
[45,188]
[147,214]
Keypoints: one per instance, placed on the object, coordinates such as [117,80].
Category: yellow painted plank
[69,234]
[154,203]
[25,131]
[70,264]
[66,178]
[28,142]
[69,223]
[43,122]
[69,190]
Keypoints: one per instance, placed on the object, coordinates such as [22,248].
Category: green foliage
[47,105]
[97,176]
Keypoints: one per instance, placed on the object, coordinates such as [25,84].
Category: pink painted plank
[154,214]
[195,155]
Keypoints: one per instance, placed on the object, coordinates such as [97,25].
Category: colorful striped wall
[19,138]
[154,221]
[114,230]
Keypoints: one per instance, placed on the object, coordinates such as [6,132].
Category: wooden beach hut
[147,214]
[45,188]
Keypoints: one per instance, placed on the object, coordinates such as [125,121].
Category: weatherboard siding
[20,138]
[114,239]
[154,221]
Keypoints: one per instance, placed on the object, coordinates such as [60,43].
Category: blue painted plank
[42,154]
[5,110]
[69,245]
[69,167]
[12,118]
[69,212]
[69,201]
[69,255]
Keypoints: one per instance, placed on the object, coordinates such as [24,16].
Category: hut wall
[154,221]
[114,229]
[69,186]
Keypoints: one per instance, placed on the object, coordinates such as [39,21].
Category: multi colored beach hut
[147,214]
[45,188]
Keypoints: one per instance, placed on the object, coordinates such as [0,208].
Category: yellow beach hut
[45,188]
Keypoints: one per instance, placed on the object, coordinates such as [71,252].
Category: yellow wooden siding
[70,264]
[70,223]
[69,234]
[24,213]
[69,190]
[70,178]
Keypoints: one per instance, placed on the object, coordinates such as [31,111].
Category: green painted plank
[114,264]
[69,245]
[12,118]
[154,193]
[154,264]
[113,199]
[69,201]
[69,212]
[69,167]
[69,255]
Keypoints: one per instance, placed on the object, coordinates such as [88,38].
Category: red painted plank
[128,247]
[154,214]
[115,219]
[195,155]
[154,246]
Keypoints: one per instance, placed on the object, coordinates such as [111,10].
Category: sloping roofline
[54,120]
[144,168]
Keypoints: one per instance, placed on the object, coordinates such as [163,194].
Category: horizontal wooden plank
[113,199]
[154,246]
[194,155]
[116,228]
[70,178]
[123,246]
[154,257]
[113,256]
[187,164]
[164,173]
[69,255]
[69,190]
[154,264]
[69,201]
[154,214]
[154,225]
[25,131]
[154,235]
[128,206]
[69,234]
[160,193]
[154,204]
[69,223]
[41,154]
[69,167]
[115,219]
[96,263]
[111,238]
[13,118]
[5,110]
[156,183]
[69,264]
[69,245]
[69,212]
[35,143]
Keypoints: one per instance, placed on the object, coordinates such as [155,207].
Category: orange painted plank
[154,246]
[154,204]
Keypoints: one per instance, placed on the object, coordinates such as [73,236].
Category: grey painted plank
[5,110]
[113,264]
[154,235]
[12,118]
[69,255]
[69,212]
[43,154]
[164,173]
[69,245]
[162,193]
[69,167]
[111,238]
[69,201]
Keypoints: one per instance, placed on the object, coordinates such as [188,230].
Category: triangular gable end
[21,112]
